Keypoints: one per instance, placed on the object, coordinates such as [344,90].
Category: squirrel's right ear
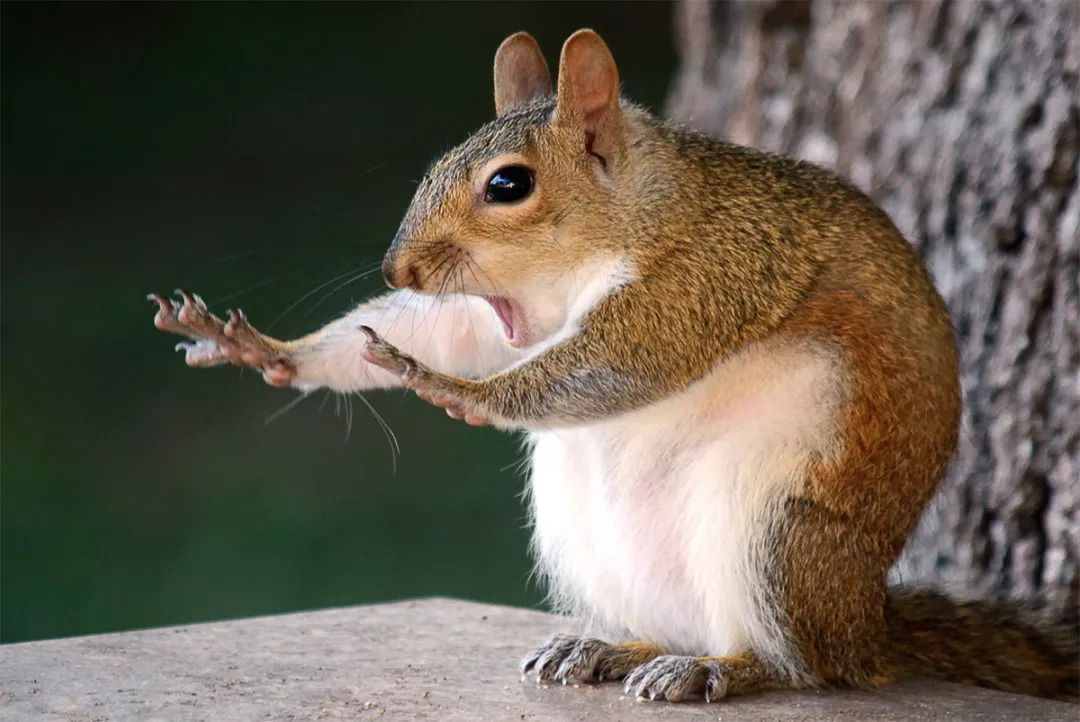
[589,96]
[521,74]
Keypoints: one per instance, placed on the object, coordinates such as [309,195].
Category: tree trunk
[961,119]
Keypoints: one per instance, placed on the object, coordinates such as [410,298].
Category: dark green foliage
[251,152]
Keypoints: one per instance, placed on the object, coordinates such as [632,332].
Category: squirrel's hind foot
[566,658]
[675,678]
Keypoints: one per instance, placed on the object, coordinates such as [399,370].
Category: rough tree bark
[963,120]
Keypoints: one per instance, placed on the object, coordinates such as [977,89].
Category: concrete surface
[434,659]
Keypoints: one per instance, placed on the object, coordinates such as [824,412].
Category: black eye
[509,184]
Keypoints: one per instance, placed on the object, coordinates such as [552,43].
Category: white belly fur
[644,525]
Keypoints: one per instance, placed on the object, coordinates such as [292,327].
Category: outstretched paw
[218,342]
[676,678]
[566,658]
[417,377]
[387,356]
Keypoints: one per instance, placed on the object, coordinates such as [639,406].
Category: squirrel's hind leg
[566,657]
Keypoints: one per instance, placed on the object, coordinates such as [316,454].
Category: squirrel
[739,385]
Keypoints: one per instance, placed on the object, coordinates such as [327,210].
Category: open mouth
[504,309]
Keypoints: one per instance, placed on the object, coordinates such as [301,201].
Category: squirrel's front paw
[566,657]
[427,384]
[387,356]
[218,342]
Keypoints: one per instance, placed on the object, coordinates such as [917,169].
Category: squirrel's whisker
[308,295]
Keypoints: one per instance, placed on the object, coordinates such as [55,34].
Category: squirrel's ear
[521,74]
[589,95]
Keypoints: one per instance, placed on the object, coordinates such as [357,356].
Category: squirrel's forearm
[608,367]
[453,333]
[546,392]
[603,369]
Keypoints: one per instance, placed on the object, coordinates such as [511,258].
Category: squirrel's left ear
[589,96]
[521,73]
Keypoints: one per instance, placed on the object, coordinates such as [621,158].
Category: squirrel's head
[521,211]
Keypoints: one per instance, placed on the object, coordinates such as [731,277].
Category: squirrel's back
[895,320]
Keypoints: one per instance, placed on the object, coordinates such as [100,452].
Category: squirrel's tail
[988,643]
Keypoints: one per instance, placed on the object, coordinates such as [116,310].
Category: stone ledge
[434,659]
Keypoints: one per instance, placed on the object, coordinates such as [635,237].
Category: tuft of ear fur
[589,95]
[521,73]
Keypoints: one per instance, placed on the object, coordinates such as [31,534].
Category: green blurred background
[248,152]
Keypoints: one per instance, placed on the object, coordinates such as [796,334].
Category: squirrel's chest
[647,525]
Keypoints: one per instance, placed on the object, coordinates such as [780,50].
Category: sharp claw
[162,301]
[370,333]
[237,317]
[166,311]
[526,665]
[192,301]
[236,321]
[410,370]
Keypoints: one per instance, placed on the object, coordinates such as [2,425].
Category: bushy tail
[987,643]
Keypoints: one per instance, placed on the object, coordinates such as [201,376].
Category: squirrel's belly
[653,525]
[608,537]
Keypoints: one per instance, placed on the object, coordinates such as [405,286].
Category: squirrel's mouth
[509,316]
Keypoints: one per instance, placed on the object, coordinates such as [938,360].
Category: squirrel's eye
[509,184]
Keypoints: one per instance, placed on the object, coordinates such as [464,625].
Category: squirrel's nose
[398,276]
